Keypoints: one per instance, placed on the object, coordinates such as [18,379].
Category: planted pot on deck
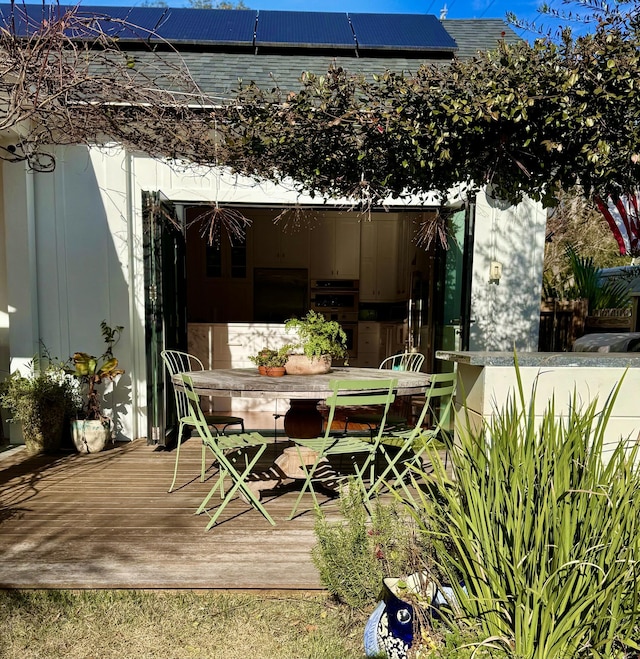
[90,435]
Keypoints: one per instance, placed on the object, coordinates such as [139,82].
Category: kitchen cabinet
[277,246]
[335,247]
[378,340]
[384,258]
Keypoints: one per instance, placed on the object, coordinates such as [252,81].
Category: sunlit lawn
[176,625]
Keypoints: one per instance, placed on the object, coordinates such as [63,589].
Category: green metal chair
[178,362]
[346,393]
[403,361]
[236,455]
[403,450]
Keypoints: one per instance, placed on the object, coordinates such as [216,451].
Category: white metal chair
[403,361]
[178,362]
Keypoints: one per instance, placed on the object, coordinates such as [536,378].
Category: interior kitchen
[363,269]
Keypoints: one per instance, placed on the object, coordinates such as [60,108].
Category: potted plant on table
[40,401]
[318,341]
[271,362]
[92,428]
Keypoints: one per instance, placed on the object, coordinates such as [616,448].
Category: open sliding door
[448,316]
[165,307]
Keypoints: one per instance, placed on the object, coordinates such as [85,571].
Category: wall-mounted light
[495,272]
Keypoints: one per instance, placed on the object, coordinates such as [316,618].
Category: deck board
[107,521]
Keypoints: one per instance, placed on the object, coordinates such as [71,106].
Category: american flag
[623,218]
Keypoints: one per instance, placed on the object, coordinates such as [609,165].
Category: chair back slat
[440,393]
[195,411]
[403,361]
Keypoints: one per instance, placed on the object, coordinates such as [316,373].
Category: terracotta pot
[303,365]
[262,370]
[275,371]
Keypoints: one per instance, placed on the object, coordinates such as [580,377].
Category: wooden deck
[107,521]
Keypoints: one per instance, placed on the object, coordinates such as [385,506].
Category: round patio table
[303,419]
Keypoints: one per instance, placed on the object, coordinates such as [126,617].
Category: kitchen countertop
[540,359]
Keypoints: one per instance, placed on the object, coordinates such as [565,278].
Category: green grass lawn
[176,625]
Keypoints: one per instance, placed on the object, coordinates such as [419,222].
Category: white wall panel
[507,314]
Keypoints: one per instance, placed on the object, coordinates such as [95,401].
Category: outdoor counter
[486,379]
[544,359]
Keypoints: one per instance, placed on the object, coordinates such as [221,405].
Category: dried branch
[65,80]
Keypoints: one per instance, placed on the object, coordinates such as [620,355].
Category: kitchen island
[486,379]
[229,345]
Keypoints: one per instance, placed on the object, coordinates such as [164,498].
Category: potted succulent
[271,362]
[318,341]
[92,428]
[40,401]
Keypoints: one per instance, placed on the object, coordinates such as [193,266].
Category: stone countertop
[541,359]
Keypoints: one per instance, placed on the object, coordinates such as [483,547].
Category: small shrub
[40,401]
[354,555]
[586,284]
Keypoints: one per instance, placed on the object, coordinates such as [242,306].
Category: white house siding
[68,262]
[507,314]
[74,257]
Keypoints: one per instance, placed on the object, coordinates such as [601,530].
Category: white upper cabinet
[384,267]
[335,247]
[278,246]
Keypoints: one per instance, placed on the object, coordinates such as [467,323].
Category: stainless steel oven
[338,299]
[351,330]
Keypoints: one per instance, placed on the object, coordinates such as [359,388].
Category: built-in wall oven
[338,299]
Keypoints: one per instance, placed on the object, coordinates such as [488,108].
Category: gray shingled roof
[218,73]
[473,35]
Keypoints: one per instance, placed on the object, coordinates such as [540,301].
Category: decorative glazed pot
[391,627]
[303,365]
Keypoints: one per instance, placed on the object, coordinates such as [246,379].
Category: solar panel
[178,25]
[401,31]
[236,27]
[304,29]
[121,22]
[216,26]
[14,18]
[125,23]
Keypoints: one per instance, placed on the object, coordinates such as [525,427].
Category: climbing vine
[522,119]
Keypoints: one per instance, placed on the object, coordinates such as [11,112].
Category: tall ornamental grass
[543,531]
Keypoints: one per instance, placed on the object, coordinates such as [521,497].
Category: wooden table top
[247,382]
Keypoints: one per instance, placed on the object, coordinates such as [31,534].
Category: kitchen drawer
[368,343]
[368,328]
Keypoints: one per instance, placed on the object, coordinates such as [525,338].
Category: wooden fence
[561,323]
